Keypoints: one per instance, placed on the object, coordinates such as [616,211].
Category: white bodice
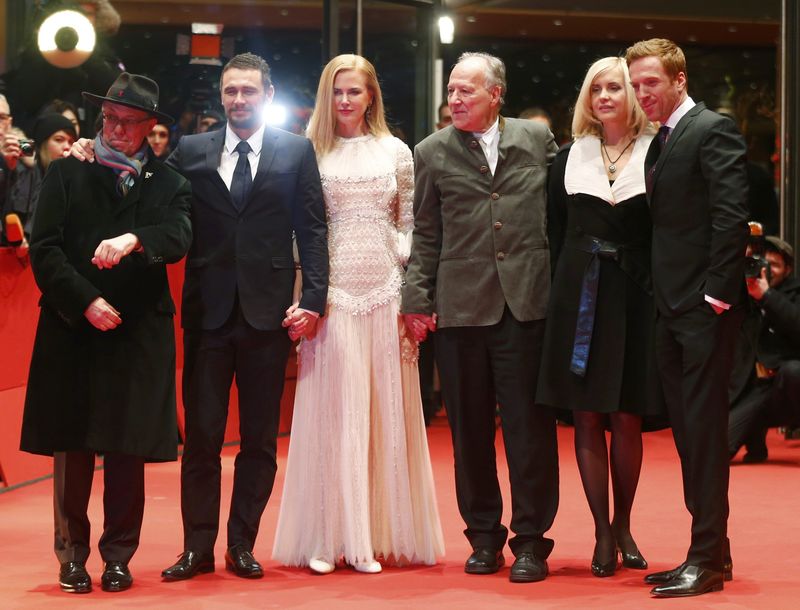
[368,184]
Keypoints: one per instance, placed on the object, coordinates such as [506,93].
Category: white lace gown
[358,477]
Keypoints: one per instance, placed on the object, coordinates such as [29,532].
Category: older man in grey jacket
[480,271]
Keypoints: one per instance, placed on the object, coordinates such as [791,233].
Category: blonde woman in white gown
[359,485]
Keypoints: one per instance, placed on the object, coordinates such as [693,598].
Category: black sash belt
[600,250]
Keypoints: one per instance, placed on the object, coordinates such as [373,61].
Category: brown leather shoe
[241,562]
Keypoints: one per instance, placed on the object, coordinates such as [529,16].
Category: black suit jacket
[250,250]
[698,204]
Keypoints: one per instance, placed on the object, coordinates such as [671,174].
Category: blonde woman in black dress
[599,325]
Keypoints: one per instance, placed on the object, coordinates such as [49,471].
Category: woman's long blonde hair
[321,128]
[584,123]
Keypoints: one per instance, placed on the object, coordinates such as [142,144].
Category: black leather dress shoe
[527,567]
[189,564]
[692,580]
[116,577]
[241,562]
[657,578]
[484,561]
[73,578]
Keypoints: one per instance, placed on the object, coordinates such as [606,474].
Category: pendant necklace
[612,168]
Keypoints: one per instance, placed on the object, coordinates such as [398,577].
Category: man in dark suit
[480,265]
[697,190]
[254,187]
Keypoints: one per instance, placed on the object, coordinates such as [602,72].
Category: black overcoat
[113,390]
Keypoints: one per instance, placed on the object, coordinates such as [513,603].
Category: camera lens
[26,148]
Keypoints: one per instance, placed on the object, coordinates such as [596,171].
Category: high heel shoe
[634,561]
[368,567]
[320,566]
[602,570]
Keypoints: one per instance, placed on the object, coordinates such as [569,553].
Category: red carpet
[764,529]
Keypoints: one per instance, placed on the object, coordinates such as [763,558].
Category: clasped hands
[300,323]
[419,325]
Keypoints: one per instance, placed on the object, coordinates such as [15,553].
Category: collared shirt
[229,155]
[490,142]
[679,113]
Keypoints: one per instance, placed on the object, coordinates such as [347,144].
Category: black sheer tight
[592,454]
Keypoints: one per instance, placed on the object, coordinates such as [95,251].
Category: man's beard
[246,123]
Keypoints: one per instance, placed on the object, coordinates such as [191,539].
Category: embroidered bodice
[368,185]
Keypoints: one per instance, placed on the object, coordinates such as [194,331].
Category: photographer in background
[53,135]
[765,384]
[11,148]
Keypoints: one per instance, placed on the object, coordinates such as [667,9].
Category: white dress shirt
[230,157]
[490,142]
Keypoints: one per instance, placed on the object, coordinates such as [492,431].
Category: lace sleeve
[404,202]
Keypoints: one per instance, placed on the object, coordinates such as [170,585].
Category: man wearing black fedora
[102,375]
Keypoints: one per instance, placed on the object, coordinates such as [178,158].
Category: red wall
[19,313]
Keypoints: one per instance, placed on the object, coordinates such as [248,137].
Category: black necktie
[242,178]
[663,135]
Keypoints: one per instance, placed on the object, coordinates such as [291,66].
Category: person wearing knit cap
[53,134]
[102,374]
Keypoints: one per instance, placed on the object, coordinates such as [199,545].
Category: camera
[755,261]
[26,148]
[753,266]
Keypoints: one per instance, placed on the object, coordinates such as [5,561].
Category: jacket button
[473,144]
[498,225]
[501,255]
[484,169]
[495,196]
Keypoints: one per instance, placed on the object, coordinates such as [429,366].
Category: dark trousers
[479,368]
[123,505]
[765,403]
[212,358]
[695,354]
[426,365]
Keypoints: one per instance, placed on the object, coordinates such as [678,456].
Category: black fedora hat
[134,91]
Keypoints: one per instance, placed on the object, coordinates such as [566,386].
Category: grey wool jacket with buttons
[480,239]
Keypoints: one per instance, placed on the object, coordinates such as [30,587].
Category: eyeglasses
[112,121]
[4,118]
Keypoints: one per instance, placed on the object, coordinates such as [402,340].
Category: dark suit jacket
[480,239]
[698,204]
[250,250]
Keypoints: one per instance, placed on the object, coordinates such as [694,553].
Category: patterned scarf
[126,168]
